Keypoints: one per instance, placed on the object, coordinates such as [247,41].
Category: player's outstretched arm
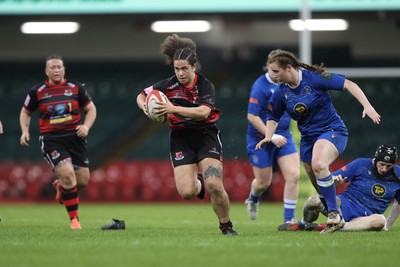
[369,110]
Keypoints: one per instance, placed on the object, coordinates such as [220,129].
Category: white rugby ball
[151,99]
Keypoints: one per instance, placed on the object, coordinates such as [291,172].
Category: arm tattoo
[212,171]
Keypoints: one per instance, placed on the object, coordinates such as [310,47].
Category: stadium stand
[129,153]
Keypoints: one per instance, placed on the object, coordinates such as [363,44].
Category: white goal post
[377,72]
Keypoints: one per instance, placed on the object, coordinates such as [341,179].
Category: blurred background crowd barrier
[125,181]
[129,154]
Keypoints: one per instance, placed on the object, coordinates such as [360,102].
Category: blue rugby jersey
[260,95]
[310,103]
[370,191]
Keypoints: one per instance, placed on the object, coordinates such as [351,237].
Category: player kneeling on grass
[374,183]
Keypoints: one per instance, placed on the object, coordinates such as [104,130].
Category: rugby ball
[151,99]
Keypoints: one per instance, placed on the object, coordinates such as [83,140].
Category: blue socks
[328,189]
[254,198]
[289,207]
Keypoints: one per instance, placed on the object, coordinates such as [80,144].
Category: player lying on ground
[374,183]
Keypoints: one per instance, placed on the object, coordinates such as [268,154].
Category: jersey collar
[300,79]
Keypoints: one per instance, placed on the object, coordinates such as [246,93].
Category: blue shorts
[339,139]
[351,209]
[264,157]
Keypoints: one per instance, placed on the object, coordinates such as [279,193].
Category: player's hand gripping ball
[151,99]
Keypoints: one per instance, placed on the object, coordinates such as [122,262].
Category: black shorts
[191,146]
[56,149]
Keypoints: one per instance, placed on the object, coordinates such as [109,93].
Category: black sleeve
[31,101]
[83,97]
[163,84]
[207,94]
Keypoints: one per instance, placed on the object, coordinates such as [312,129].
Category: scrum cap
[386,153]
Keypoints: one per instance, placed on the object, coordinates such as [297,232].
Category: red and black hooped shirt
[59,106]
[201,93]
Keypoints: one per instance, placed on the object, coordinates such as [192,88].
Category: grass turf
[182,234]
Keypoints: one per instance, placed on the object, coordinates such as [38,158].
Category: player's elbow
[203,116]
[203,113]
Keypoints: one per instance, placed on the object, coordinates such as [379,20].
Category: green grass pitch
[179,234]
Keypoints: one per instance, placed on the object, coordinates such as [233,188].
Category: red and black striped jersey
[202,92]
[60,106]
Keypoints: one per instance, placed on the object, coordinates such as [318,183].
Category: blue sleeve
[258,99]
[329,81]
[348,170]
[276,106]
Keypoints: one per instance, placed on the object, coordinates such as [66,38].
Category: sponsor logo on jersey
[46,95]
[378,190]
[173,86]
[300,109]
[60,120]
[326,75]
[68,92]
[307,89]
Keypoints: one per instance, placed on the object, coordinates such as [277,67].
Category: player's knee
[293,176]
[214,186]
[68,179]
[318,166]
[82,177]
[263,184]
[82,183]
[186,193]
[378,222]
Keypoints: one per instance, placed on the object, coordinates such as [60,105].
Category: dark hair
[283,58]
[178,48]
[54,57]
